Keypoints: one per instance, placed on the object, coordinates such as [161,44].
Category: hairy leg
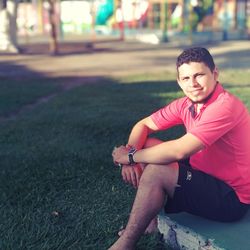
[152,227]
[156,182]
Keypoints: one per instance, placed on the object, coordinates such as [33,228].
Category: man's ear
[216,74]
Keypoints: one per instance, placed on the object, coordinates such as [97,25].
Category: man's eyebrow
[194,75]
[199,73]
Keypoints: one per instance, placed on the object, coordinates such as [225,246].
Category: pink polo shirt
[223,125]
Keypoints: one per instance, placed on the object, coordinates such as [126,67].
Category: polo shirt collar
[217,91]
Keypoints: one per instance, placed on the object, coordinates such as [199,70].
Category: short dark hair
[196,54]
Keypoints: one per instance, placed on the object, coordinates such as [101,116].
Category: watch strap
[131,156]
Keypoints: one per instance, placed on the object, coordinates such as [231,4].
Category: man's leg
[152,227]
[157,181]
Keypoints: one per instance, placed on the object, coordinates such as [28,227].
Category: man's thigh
[203,195]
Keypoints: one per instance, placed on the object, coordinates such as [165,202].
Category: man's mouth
[195,91]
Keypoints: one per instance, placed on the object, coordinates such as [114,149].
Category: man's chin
[197,99]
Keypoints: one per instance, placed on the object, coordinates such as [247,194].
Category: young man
[215,183]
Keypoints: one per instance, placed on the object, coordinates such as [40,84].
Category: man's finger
[137,174]
[124,175]
[133,178]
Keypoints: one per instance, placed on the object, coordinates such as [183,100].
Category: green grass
[17,92]
[59,188]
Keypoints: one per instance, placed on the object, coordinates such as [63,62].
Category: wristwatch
[131,153]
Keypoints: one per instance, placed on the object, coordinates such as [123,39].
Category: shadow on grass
[14,71]
[59,188]
[22,89]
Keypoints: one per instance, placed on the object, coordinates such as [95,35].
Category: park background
[61,115]
[151,21]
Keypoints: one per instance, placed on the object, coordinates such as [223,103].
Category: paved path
[115,58]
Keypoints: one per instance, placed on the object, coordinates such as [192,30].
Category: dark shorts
[203,195]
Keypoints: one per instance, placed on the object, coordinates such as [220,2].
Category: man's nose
[193,82]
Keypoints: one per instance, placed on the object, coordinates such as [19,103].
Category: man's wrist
[131,153]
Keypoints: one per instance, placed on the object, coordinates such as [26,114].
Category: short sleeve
[169,115]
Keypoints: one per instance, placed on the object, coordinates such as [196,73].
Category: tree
[53,27]
[8,26]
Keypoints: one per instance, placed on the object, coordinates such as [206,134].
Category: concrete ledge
[186,232]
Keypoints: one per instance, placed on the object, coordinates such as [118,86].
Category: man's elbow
[141,124]
[187,146]
[181,155]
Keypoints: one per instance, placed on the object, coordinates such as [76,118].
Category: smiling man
[206,172]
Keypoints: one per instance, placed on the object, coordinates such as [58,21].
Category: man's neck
[197,106]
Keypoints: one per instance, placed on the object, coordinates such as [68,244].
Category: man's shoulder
[227,100]
[227,105]
[181,101]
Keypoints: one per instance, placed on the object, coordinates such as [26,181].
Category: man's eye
[185,79]
[199,75]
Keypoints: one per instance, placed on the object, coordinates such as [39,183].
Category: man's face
[196,80]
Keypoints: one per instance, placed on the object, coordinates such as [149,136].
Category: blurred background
[151,21]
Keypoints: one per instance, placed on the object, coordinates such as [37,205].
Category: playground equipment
[192,16]
[119,17]
[104,11]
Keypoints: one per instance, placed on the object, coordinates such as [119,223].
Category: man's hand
[120,155]
[132,174]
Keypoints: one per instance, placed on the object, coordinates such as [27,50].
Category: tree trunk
[8,27]
[4,4]
[53,31]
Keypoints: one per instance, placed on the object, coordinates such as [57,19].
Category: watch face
[132,151]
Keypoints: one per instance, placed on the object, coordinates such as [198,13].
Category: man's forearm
[138,136]
[170,151]
[163,153]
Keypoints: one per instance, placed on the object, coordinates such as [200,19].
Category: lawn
[59,188]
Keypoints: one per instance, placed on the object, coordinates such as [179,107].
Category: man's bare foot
[122,244]
[152,228]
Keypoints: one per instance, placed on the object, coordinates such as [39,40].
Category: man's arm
[137,139]
[140,132]
[163,153]
[170,151]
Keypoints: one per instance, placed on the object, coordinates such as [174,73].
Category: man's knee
[150,174]
[165,176]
